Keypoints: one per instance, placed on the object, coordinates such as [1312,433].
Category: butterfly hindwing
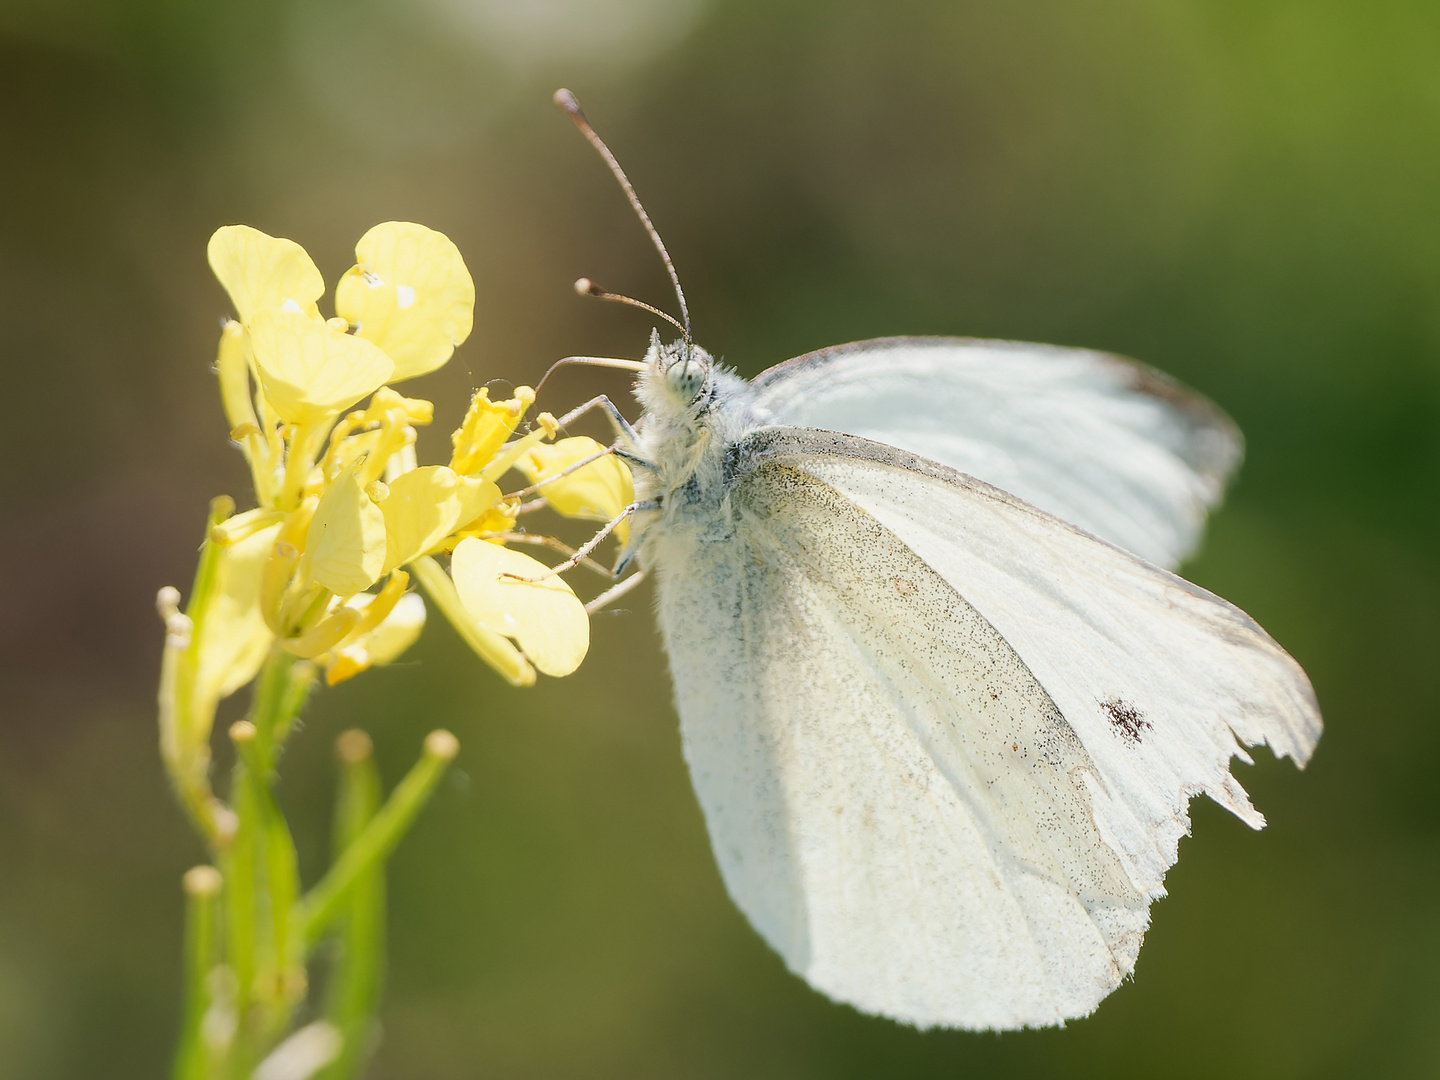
[894,800]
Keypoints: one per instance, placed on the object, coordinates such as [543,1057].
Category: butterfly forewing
[1110,445]
[1161,680]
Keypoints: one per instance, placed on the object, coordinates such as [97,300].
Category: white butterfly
[942,703]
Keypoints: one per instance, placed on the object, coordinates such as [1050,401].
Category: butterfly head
[678,376]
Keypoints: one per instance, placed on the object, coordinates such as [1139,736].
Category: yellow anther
[377,490]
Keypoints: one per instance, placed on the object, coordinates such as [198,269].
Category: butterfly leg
[617,420]
[533,488]
[590,545]
[609,596]
[538,540]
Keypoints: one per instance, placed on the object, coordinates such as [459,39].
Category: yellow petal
[260,271]
[486,426]
[396,633]
[491,647]
[233,636]
[410,294]
[426,505]
[543,617]
[596,492]
[345,546]
[308,370]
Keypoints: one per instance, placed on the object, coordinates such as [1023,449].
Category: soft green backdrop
[1245,193]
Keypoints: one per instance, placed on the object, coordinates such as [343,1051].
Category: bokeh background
[1245,193]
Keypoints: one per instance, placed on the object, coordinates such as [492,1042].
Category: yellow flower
[308,369]
[260,271]
[317,570]
[410,294]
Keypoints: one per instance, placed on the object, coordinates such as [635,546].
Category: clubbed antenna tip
[566,100]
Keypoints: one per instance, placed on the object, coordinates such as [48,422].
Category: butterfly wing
[1110,445]
[945,783]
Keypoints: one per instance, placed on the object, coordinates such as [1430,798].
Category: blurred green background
[1245,193]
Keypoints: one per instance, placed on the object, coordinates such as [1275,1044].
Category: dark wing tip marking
[1125,719]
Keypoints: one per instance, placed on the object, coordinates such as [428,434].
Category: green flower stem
[369,850]
[354,992]
[297,691]
[238,866]
[202,955]
[280,693]
[280,975]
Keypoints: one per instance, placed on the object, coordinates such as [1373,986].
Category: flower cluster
[321,567]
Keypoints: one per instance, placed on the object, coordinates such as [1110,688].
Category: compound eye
[685,379]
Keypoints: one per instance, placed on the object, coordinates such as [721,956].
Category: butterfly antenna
[566,100]
[585,287]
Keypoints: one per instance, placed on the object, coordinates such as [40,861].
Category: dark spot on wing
[1126,719]
[905,587]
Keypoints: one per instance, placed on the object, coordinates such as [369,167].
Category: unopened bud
[354,746]
[227,823]
[441,744]
[242,731]
[221,507]
[201,882]
[167,602]
[178,629]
